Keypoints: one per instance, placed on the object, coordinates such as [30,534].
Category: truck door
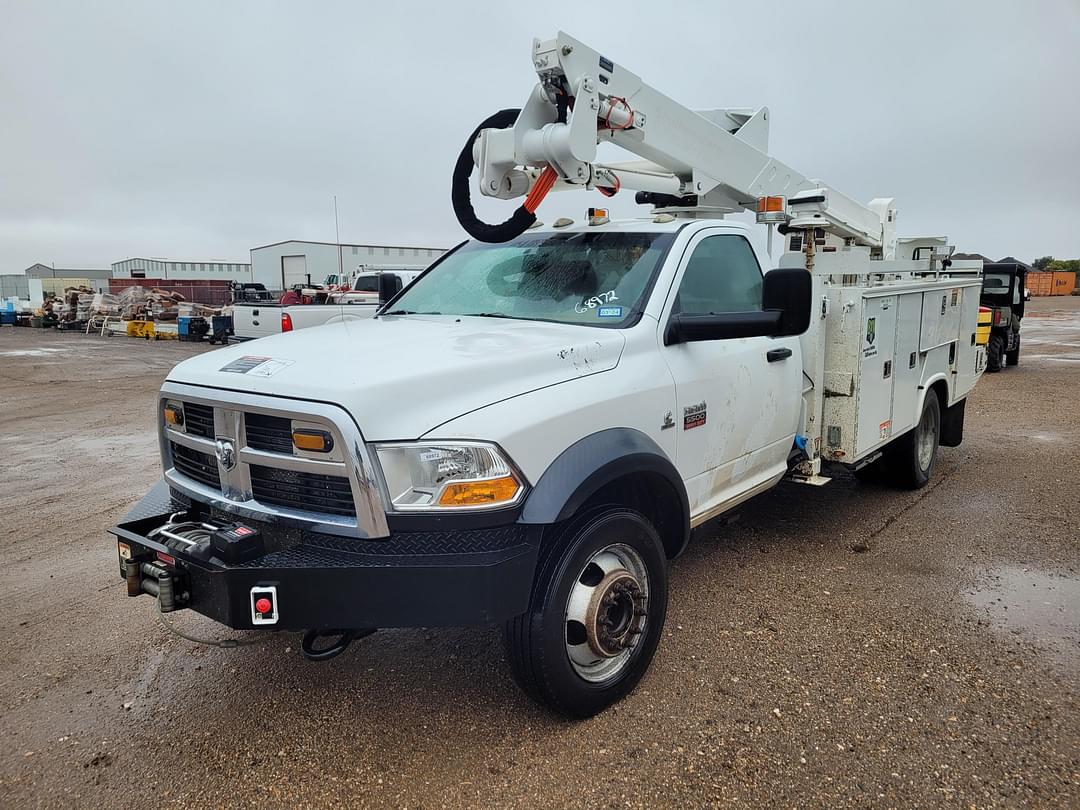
[738,399]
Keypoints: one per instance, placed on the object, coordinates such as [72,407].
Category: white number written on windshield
[595,301]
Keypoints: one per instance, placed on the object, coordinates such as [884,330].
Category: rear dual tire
[596,613]
[908,462]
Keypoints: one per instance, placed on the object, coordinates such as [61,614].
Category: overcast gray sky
[200,129]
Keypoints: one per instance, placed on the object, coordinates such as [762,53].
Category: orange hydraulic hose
[543,185]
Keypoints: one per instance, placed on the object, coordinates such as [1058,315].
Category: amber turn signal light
[480,493]
[315,441]
[174,414]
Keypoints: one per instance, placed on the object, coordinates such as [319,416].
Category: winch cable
[461,195]
[224,643]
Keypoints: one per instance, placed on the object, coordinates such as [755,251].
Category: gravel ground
[840,646]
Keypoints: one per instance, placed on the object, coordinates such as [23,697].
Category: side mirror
[389,286]
[789,290]
[786,302]
[689,328]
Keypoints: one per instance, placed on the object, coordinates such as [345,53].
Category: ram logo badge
[226,454]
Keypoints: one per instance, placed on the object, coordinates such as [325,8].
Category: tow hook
[343,639]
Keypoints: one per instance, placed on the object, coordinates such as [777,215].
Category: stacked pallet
[147,303]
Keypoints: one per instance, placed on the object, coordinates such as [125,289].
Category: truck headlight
[451,475]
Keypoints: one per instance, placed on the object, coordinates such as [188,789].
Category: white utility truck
[527,434]
[365,279]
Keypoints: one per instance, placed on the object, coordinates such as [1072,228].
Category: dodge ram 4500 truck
[527,434]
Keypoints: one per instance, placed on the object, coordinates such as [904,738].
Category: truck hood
[402,376]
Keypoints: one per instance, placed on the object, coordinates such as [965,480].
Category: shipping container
[1051,283]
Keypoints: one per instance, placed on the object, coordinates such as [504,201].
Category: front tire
[596,614]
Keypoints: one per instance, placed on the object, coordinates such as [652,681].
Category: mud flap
[952,425]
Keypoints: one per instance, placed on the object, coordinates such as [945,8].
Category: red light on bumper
[263,605]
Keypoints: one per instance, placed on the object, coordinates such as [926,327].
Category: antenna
[337,238]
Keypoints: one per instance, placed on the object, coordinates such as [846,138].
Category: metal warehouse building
[284,264]
[43,280]
[167,270]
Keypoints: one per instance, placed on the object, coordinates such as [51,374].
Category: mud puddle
[1042,605]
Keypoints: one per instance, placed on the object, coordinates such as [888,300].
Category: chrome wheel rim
[606,613]
[925,441]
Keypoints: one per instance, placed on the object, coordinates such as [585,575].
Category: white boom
[717,156]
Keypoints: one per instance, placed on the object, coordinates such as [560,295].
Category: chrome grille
[200,466]
[302,490]
[270,433]
[235,451]
[199,419]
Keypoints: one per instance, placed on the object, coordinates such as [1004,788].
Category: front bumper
[323,582]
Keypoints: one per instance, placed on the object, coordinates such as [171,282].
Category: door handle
[772,355]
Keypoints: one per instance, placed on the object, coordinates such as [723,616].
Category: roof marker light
[771,210]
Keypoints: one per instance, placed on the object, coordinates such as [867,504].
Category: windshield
[599,279]
[997,283]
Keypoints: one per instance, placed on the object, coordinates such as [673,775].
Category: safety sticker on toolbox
[885,429]
[256,366]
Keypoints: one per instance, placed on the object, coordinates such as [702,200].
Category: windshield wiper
[409,312]
[487,315]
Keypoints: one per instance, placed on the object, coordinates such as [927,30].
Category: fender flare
[582,469]
[926,388]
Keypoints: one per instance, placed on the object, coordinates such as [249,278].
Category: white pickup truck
[259,319]
[527,434]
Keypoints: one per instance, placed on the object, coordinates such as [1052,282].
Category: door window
[722,275]
[366,284]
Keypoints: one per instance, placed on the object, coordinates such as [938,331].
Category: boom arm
[584,98]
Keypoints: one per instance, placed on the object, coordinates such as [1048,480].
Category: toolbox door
[969,360]
[908,362]
[877,368]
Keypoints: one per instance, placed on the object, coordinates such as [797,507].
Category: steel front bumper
[411,579]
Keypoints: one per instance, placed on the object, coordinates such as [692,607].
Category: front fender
[594,461]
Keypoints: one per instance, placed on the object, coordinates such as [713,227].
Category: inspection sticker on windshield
[609,312]
[256,366]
